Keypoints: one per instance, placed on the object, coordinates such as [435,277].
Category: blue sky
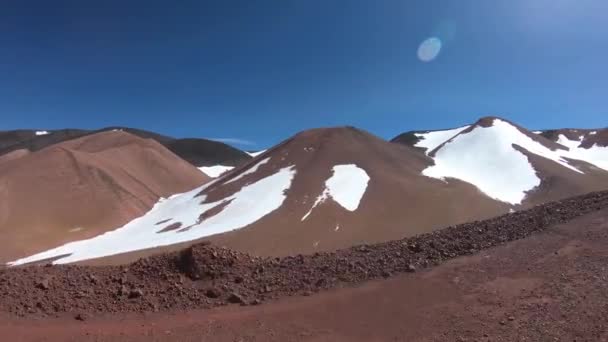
[260,71]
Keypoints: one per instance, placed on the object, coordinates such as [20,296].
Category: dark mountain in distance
[198,152]
[586,138]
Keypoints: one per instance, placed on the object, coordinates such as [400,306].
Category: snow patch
[216,170]
[42,132]
[596,155]
[537,132]
[486,158]
[431,140]
[255,154]
[241,209]
[593,133]
[571,144]
[250,170]
[346,186]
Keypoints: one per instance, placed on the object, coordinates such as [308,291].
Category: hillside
[83,187]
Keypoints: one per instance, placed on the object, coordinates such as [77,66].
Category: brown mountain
[83,187]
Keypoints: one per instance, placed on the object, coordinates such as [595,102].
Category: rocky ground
[205,276]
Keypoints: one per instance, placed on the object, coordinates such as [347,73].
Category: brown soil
[80,188]
[548,286]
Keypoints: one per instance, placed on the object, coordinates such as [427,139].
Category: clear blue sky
[263,70]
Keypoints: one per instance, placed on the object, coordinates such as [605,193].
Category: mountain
[511,164]
[198,152]
[83,187]
[332,188]
[322,189]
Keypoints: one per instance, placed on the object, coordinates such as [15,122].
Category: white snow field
[248,205]
[42,132]
[432,140]
[486,158]
[346,186]
[255,154]
[216,170]
[596,155]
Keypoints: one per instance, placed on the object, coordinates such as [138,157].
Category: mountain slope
[83,187]
[513,165]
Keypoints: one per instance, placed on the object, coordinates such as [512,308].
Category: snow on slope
[216,170]
[432,140]
[486,158]
[255,154]
[346,186]
[596,155]
[249,170]
[241,209]
[42,132]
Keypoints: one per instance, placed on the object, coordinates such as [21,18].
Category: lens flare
[429,49]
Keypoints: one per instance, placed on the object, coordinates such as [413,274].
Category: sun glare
[429,49]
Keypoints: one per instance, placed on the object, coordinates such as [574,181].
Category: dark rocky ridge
[599,138]
[198,152]
[408,138]
[27,139]
[205,276]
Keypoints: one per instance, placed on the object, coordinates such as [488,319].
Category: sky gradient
[260,71]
